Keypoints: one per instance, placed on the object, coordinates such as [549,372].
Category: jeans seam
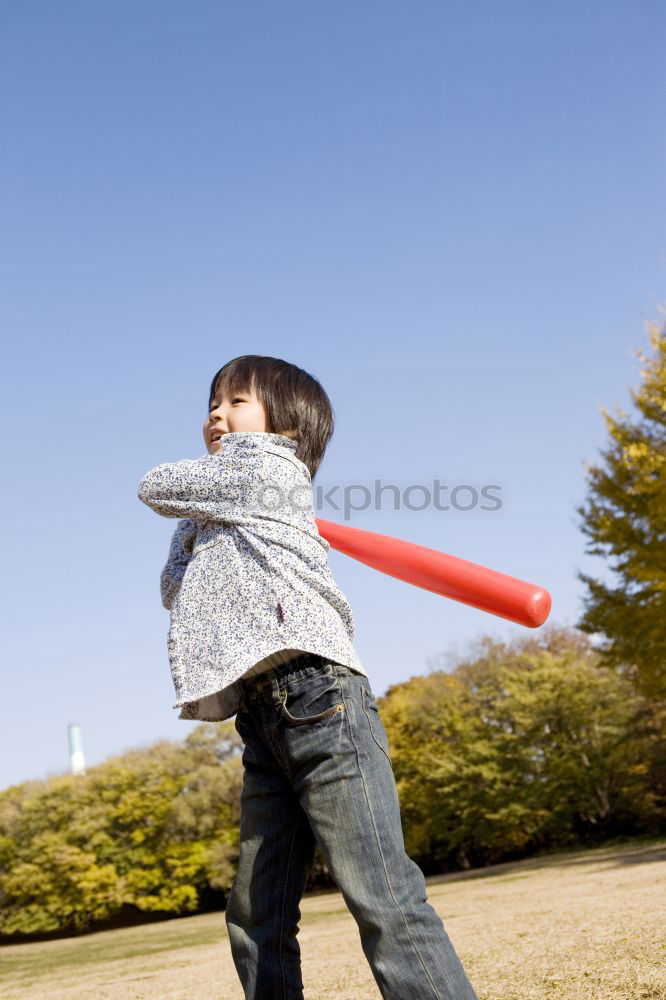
[366,711]
[284,903]
[381,854]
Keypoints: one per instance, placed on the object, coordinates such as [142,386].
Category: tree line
[527,746]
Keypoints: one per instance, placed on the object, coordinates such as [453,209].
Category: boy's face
[240,412]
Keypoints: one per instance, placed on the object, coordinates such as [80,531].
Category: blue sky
[452,215]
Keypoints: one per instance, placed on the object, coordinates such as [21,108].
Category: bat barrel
[467,582]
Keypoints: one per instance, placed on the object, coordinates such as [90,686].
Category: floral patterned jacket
[247,572]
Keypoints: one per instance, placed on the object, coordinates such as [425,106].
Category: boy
[259,628]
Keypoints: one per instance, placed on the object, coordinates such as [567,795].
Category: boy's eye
[236,399]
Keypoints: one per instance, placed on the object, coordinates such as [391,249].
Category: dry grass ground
[588,924]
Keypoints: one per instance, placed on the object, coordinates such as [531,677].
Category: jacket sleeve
[220,487]
[180,553]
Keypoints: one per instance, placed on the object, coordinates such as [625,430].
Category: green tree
[527,745]
[624,517]
[150,829]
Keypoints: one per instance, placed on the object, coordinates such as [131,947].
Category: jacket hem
[231,690]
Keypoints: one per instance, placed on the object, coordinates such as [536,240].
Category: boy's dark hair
[296,404]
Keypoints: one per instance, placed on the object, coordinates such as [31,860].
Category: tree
[151,830]
[624,517]
[526,746]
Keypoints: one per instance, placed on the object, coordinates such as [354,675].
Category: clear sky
[451,214]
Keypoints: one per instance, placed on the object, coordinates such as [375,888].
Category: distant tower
[76,759]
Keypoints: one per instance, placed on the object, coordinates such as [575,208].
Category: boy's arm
[220,487]
[180,553]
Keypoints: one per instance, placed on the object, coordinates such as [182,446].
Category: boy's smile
[242,411]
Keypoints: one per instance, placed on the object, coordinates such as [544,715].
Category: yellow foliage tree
[624,517]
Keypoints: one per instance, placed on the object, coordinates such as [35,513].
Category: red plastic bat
[467,582]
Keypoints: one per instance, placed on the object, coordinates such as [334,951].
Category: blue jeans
[317,771]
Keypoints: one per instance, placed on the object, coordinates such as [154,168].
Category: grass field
[585,924]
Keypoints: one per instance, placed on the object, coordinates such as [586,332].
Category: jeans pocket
[371,709]
[312,698]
